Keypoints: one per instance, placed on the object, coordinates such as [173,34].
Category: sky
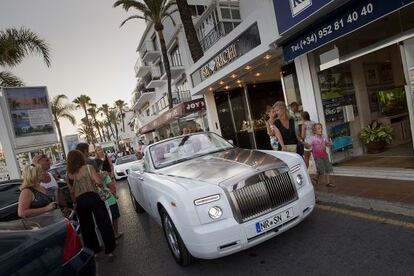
[90,53]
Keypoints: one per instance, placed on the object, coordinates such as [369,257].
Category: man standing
[47,179]
[84,148]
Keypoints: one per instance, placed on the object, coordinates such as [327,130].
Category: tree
[154,11]
[190,32]
[15,45]
[61,110]
[83,102]
[105,109]
[93,111]
[113,119]
[120,104]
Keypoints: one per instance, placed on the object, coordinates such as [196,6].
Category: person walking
[270,127]
[306,133]
[285,129]
[318,143]
[83,181]
[33,199]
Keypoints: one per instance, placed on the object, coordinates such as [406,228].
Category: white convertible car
[214,199]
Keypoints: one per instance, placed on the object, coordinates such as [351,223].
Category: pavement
[378,194]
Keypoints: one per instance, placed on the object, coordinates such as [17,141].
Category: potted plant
[376,136]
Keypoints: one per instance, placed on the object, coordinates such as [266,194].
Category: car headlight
[215,212]
[299,180]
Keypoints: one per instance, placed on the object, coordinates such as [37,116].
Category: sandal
[331,185]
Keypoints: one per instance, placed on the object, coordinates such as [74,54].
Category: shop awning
[176,112]
[350,17]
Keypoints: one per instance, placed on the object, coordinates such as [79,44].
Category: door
[233,117]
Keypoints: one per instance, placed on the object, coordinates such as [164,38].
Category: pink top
[318,146]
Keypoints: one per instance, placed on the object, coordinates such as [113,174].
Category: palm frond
[69,117]
[16,44]
[132,17]
[8,79]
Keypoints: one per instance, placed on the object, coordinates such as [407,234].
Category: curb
[368,203]
[375,172]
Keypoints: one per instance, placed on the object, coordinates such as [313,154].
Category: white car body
[231,174]
[122,170]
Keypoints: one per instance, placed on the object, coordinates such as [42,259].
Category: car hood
[125,166]
[219,167]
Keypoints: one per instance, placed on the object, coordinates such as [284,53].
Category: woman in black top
[285,128]
[33,199]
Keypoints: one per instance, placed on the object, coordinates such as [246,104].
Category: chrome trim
[263,197]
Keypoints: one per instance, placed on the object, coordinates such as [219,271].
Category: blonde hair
[280,104]
[31,176]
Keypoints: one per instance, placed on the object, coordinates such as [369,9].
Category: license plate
[274,221]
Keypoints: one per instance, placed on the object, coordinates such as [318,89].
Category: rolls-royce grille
[264,196]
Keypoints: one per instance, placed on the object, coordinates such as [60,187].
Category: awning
[350,17]
[176,112]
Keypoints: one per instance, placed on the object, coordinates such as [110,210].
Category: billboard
[70,142]
[30,117]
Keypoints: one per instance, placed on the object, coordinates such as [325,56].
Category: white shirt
[51,187]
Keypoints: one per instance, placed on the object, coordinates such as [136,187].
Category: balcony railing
[147,46]
[154,74]
[212,36]
[181,96]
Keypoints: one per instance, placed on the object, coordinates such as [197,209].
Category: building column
[211,111]
[309,88]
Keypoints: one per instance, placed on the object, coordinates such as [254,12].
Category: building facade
[152,117]
[354,61]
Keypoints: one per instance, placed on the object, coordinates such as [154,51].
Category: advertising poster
[70,142]
[31,122]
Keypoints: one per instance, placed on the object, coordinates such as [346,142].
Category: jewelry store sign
[221,60]
[245,42]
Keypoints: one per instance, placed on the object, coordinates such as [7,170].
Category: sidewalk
[394,196]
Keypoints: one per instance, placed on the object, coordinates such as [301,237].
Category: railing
[154,74]
[212,36]
[139,64]
[181,96]
[146,46]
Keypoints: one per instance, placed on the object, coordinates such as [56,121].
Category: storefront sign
[290,13]
[194,105]
[219,61]
[176,112]
[352,17]
[247,41]
[28,110]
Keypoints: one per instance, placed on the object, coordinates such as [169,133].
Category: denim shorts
[114,211]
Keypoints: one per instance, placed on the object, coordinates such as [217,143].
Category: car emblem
[254,164]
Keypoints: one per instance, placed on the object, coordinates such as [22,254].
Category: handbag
[103,193]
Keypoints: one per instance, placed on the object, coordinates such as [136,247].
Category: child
[318,143]
[111,201]
[306,133]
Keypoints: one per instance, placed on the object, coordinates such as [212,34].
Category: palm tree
[83,131]
[62,110]
[105,109]
[89,132]
[120,104]
[93,111]
[154,11]
[113,119]
[190,32]
[83,102]
[15,45]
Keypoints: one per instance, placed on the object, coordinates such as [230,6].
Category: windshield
[184,148]
[126,159]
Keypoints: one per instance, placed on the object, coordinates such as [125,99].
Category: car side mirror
[138,167]
[230,141]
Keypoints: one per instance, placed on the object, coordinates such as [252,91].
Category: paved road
[332,241]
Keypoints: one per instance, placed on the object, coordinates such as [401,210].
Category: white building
[150,100]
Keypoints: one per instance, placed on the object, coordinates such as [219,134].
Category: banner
[30,117]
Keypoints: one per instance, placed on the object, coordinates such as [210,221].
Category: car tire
[176,245]
[137,207]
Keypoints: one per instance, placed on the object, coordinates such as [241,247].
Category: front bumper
[121,174]
[225,237]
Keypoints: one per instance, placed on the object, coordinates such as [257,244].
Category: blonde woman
[285,131]
[33,199]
